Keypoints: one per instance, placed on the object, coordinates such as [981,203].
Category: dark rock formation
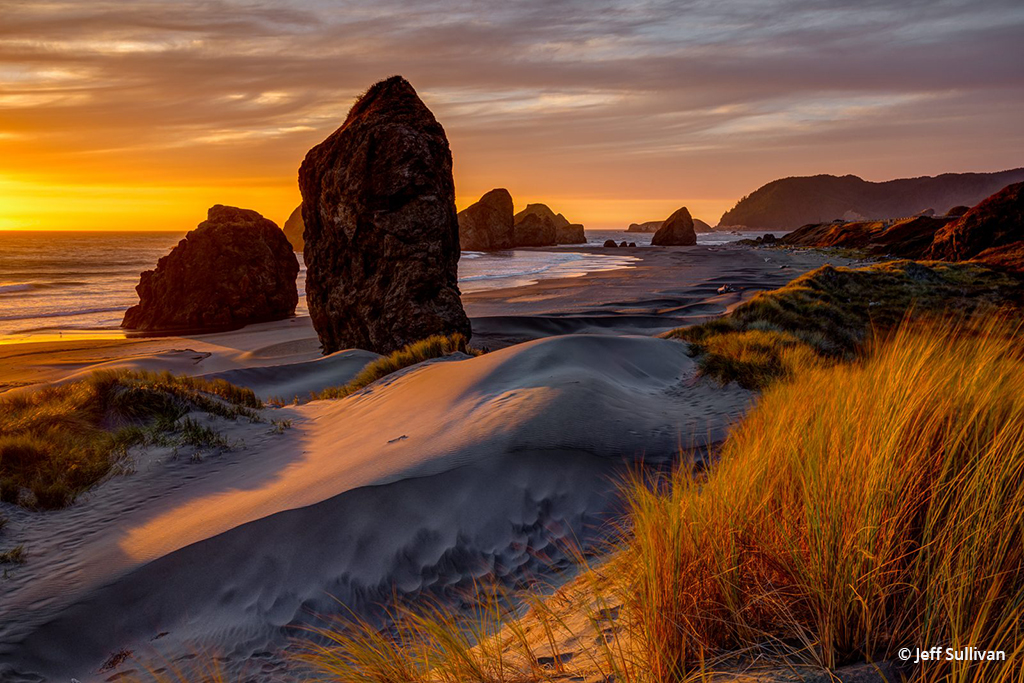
[535,231]
[995,223]
[293,228]
[610,243]
[236,268]
[632,244]
[958,211]
[570,233]
[539,226]
[382,235]
[623,243]
[676,231]
[788,203]
[488,225]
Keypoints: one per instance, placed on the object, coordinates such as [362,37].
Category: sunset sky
[141,114]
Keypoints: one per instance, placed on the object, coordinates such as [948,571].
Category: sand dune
[466,466]
[290,380]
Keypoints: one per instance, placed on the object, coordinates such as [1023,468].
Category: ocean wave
[19,287]
[33,286]
[526,272]
[61,314]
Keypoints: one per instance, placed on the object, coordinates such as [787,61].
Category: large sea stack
[382,234]
[488,224]
[997,223]
[676,231]
[236,268]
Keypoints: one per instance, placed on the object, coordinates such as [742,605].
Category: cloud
[558,96]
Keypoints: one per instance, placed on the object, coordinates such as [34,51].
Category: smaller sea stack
[488,225]
[677,231]
[236,268]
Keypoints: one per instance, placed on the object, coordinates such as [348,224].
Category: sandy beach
[662,290]
[487,466]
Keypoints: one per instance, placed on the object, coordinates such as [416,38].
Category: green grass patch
[60,440]
[833,312]
[436,346]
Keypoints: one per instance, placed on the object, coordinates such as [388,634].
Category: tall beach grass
[859,509]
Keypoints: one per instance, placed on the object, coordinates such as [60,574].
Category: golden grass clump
[832,312]
[860,508]
[432,643]
[60,440]
[436,346]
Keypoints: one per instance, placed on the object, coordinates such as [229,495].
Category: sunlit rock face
[381,235]
[236,268]
[488,224]
[995,223]
[676,231]
[293,228]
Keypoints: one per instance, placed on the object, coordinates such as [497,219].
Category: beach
[489,466]
[654,291]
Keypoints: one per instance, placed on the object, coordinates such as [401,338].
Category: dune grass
[435,346]
[832,312]
[432,643]
[860,508]
[60,440]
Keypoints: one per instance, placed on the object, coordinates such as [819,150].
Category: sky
[141,114]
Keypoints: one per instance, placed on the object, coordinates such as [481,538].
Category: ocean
[80,283]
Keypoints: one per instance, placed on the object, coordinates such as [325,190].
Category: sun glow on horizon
[40,206]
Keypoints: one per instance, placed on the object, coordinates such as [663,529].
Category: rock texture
[293,228]
[488,225]
[907,238]
[535,231]
[236,268]
[995,223]
[570,233]
[676,231]
[382,233]
[538,226]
